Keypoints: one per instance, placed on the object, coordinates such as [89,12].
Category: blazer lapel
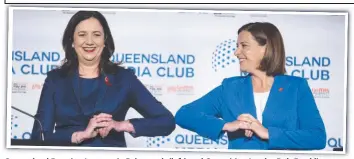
[106,80]
[277,94]
[76,88]
[243,96]
[249,105]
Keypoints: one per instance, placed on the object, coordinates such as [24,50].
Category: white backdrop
[315,48]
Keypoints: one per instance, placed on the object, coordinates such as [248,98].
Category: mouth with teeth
[89,49]
[241,59]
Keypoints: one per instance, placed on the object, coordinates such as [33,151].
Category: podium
[28,142]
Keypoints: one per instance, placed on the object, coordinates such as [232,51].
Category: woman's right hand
[236,125]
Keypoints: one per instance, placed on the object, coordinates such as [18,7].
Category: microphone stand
[39,122]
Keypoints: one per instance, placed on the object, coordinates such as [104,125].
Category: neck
[88,70]
[261,80]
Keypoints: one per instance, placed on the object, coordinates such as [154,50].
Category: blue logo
[223,56]
[157,141]
[25,135]
[335,143]
[310,68]
[13,125]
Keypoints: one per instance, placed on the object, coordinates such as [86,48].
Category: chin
[90,57]
[243,69]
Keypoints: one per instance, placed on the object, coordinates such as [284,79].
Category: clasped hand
[103,123]
[248,123]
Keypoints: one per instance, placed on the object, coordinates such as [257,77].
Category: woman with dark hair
[85,101]
[264,110]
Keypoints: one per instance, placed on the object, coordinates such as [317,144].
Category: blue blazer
[291,115]
[59,108]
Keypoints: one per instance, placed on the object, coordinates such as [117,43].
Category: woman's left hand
[119,126]
[255,126]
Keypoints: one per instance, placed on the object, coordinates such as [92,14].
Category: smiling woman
[86,100]
[263,110]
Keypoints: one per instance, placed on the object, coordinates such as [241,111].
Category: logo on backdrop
[187,141]
[223,56]
[181,89]
[36,86]
[224,61]
[157,141]
[34,62]
[320,92]
[18,87]
[335,142]
[311,68]
[155,64]
[14,125]
[154,89]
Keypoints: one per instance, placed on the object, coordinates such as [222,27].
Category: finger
[248,133]
[244,125]
[101,131]
[104,115]
[103,119]
[102,124]
[95,133]
[106,131]
[247,116]
[245,119]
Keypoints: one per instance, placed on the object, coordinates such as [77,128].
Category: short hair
[71,61]
[273,62]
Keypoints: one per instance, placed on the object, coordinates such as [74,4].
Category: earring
[72,45]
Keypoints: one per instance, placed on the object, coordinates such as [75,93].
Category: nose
[89,40]
[237,52]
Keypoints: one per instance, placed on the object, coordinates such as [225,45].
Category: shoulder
[234,80]
[124,75]
[124,72]
[55,74]
[291,79]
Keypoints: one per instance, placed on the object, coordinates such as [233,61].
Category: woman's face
[89,40]
[249,52]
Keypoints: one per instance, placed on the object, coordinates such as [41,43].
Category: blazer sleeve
[46,115]
[310,134]
[203,115]
[157,121]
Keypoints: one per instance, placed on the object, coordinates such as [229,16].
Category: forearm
[157,126]
[296,139]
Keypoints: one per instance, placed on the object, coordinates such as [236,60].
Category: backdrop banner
[180,56]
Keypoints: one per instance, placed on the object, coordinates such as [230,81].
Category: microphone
[39,122]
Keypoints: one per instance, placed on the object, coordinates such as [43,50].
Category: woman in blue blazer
[264,110]
[85,101]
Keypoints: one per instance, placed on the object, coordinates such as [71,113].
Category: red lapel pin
[280,89]
[106,80]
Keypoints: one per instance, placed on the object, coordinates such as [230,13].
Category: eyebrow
[243,42]
[93,32]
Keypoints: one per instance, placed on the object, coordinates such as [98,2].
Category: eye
[81,34]
[97,34]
